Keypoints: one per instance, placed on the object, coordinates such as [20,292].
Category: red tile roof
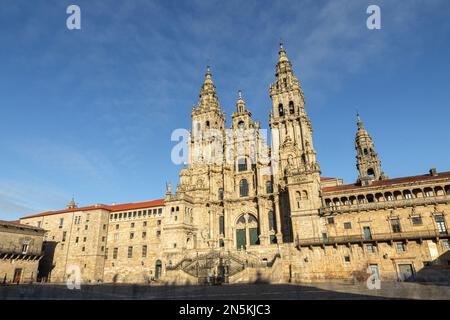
[326,178]
[388,182]
[112,208]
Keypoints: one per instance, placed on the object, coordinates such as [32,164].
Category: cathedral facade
[244,211]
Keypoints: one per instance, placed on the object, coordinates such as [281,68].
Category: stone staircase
[219,265]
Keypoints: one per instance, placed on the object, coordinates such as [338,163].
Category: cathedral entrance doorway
[246,231]
[158,267]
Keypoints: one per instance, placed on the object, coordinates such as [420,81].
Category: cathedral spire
[367,161]
[208,96]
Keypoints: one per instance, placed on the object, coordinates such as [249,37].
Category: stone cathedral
[244,211]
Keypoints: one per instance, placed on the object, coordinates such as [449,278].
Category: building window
[221,225]
[130,252]
[416,220]
[87,217]
[115,253]
[243,188]
[144,251]
[408,195]
[85,227]
[24,248]
[84,239]
[102,248]
[131,235]
[330,220]
[242,164]
[220,193]
[116,236]
[106,253]
[61,222]
[400,246]
[132,224]
[158,233]
[104,227]
[291,107]
[144,235]
[64,236]
[144,223]
[446,244]
[395,224]
[158,222]
[221,243]
[76,239]
[440,223]
[117,227]
[159,210]
[347,225]
[347,259]
[83,249]
[272,221]
[269,187]
[371,248]
[280,110]
[103,239]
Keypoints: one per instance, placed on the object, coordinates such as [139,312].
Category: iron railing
[377,237]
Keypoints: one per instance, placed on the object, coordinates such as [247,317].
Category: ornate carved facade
[244,211]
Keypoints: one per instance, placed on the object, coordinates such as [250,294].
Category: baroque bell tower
[296,169]
[367,161]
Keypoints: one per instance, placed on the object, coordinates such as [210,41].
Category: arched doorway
[246,231]
[158,269]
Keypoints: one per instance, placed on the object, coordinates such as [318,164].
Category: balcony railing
[377,237]
[385,204]
[17,250]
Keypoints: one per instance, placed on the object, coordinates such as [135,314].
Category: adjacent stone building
[245,211]
[20,252]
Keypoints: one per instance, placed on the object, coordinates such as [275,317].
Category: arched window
[370,172]
[241,125]
[365,151]
[298,198]
[291,107]
[243,188]
[242,164]
[280,110]
[304,195]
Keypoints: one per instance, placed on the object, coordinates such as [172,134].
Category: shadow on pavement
[194,292]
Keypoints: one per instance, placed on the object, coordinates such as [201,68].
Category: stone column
[278,217]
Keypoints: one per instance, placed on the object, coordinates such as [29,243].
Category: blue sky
[89,113]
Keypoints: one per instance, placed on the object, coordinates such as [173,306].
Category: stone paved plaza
[316,291]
